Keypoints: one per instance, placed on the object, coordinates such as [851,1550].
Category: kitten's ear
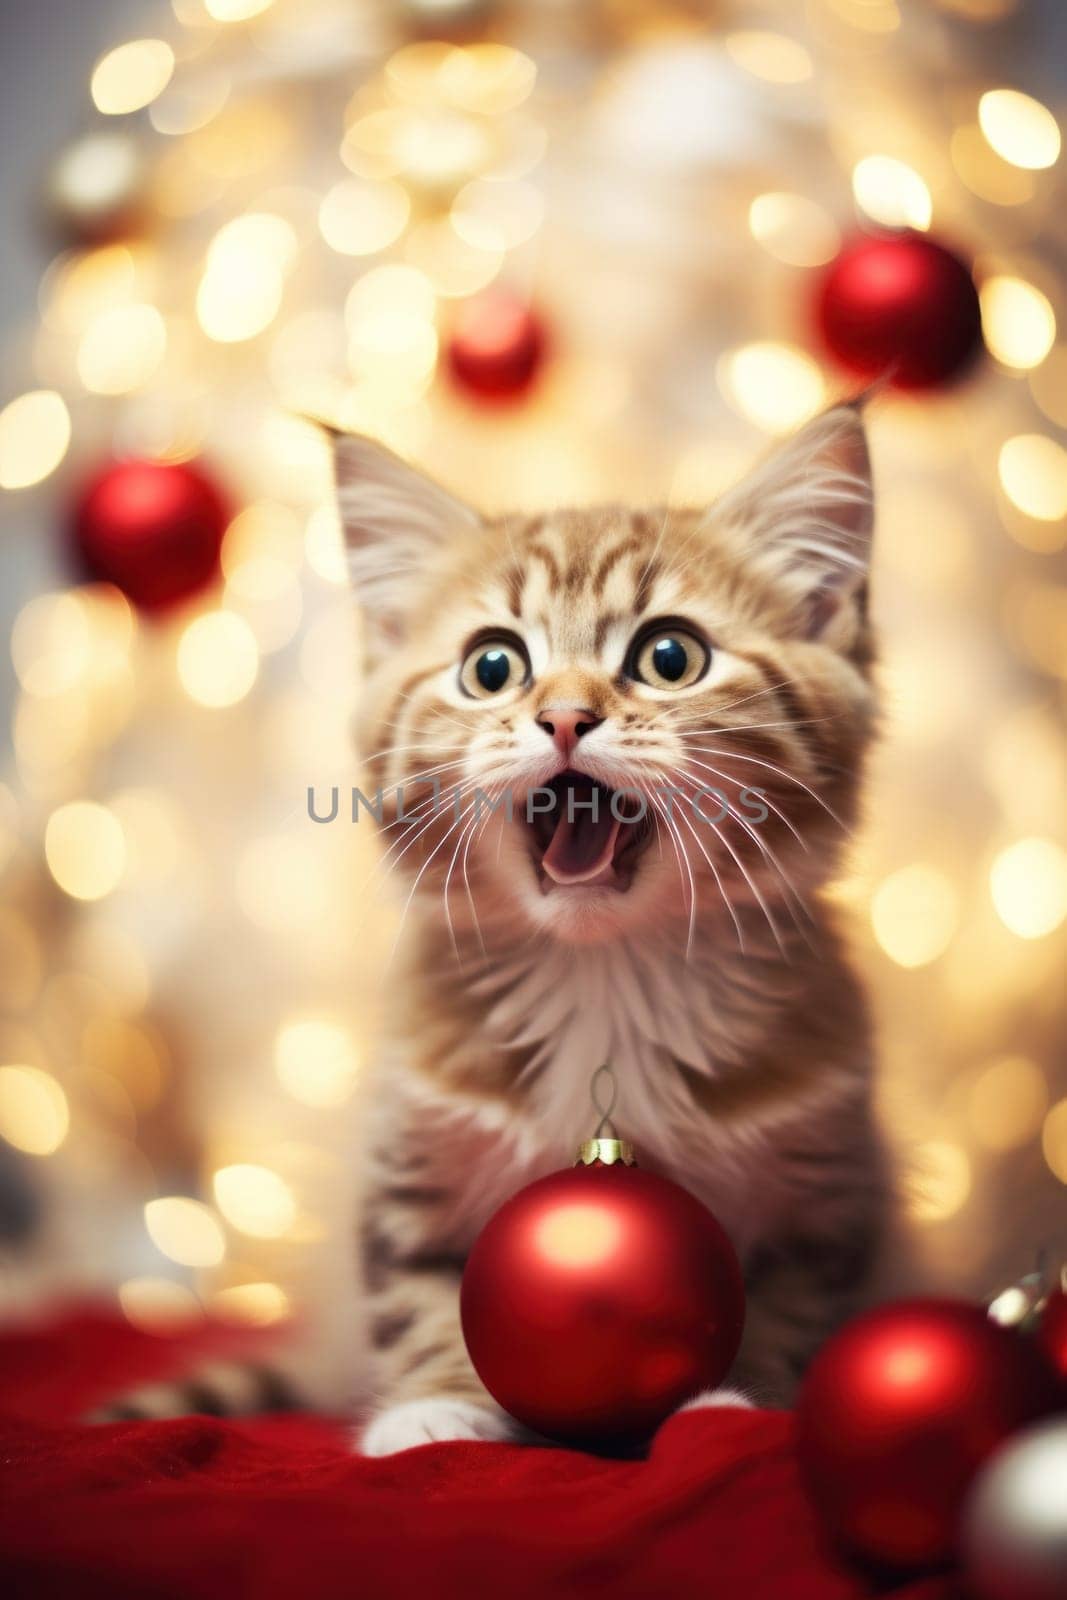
[394,519]
[807,513]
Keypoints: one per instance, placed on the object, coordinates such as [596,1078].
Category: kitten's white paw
[718,1397]
[431,1421]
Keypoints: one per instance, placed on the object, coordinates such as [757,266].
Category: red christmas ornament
[897,1414]
[1052,1335]
[496,347]
[900,306]
[597,1300]
[152,528]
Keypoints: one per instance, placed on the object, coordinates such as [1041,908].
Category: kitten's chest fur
[676,1033]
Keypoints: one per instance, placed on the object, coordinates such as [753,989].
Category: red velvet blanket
[280,1507]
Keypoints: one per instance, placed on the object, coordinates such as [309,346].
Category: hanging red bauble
[496,347]
[598,1300]
[897,1414]
[1052,1335]
[900,306]
[152,528]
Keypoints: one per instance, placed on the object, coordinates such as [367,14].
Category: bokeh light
[316,1061]
[1033,475]
[1054,1140]
[1018,322]
[241,290]
[185,1231]
[774,57]
[159,1305]
[122,349]
[358,217]
[218,659]
[34,435]
[793,229]
[131,76]
[255,1200]
[892,193]
[34,1114]
[1019,128]
[775,386]
[85,848]
[253,1305]
[1006,1102]
[1028,883]
[914,914]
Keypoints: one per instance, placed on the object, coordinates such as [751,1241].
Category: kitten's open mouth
[591,835]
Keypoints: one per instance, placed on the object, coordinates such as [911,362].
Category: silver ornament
[1015,1523]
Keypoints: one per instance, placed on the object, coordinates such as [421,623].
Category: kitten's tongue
[581,849]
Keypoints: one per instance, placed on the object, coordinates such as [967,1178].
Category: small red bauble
[1052,1335]
[152,528]
[496,347]
[897,1414]
[598,1300]
[900,306]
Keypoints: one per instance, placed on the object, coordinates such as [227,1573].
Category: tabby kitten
[714,664]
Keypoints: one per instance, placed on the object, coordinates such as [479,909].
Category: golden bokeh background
[280,207]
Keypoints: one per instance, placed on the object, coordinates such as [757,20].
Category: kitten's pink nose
[565,726]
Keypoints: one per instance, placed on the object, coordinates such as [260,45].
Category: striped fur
[715,984]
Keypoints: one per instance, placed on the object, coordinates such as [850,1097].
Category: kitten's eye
[491,666]
[668,656]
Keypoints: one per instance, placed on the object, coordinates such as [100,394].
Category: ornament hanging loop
[605,1147]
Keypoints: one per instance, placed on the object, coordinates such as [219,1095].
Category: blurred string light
[122,349]
[1019,128]
[316,1061]
[892,193]
[34,1114]
[324,545]
[255,1200]
[1018,322]
[1028,883]
[34,435]
[914,914]
[255,1305]
[185,1231]
[218,659]
[771,56]
[131,76]
[1033,475]
[1054,1140]
[159,1305]
[776,386]
[1048,385]
[247,263]
[1006,1103]
[793,228]
[235,10]
[85,848]
[359,217]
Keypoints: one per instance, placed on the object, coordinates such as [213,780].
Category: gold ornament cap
[607,1152]
[605,1146]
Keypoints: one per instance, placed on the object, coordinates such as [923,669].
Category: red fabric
[279,1507]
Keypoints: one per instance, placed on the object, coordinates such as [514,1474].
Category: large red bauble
[496,347]
[900,306]
[152,528]
[597,1300]
[897,1414]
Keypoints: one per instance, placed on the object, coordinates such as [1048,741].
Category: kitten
[716,666]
